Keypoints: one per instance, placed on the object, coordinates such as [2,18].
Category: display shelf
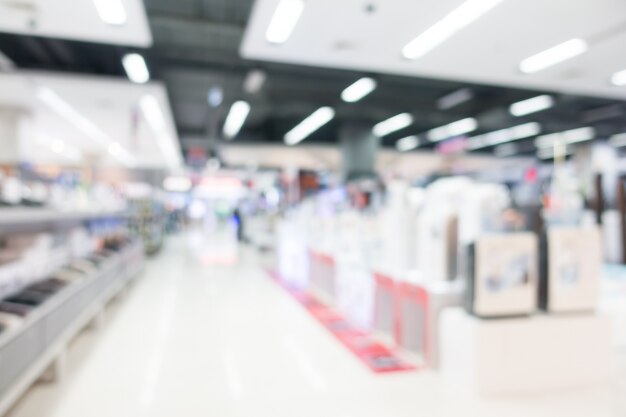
[41,340]
[20,219]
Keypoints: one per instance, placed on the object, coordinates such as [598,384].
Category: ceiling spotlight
[236,118]
[215,96]
[457,128]
[112,12]
[554,55]
[393,124]
[284,21]
[532,105]
[309,125]
[619,78]
[358,90]
[407,144]
[136,68]
[441,31]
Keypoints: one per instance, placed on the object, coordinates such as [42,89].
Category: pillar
[358,150]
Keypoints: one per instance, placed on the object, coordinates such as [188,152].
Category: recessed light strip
[568,137]
[454,99]
[136,68]
[553,56]
[358,90]
[441,31]
[284,21]
[393,124]
[112,12]
[531,105]
[407,144]
[236,118]
[510,134]
[458,128]
[619,78]
[618,140]
[309,125]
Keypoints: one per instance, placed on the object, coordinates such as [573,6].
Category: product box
[503,275]
[571,272]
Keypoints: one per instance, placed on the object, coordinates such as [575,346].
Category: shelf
[24,219]
[27,351]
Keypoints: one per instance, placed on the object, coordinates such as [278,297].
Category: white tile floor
[192,340]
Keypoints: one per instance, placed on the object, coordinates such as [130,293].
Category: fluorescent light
[532,105]
[554,55]
[65,110]
[393,124]
[510,134]
[177,184]
[151,110]
[358,90]
[568,137]
[284,20]
[457,128]
[454,99]
[309,125]
[619,78]
[407,144]
[112,12]
[504,150]
[254,81]
[441,31]
[115,149]
[236,118]
[618,140]
[136,68]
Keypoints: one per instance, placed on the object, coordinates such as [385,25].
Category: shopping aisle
[193,339]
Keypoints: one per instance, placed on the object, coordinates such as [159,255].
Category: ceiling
[198,44]
[85,119]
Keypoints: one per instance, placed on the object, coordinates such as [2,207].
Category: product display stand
[386,303]
[322,274]
[36,350]
[420,306]
[525,355]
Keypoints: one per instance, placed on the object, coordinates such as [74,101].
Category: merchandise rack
[37,348]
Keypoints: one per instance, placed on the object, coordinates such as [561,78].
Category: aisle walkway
[197,340]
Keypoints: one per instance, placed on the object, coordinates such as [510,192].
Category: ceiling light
[151,110]
[65,110]
[454,99]
[136,68]
[619,78]
[254,81]
[236,118]
[358,90]
[309,125]
[553,56]
[448,26]
[510,134]
[393,124]
[177,184]
[115,149]
[457,128]
[504,150]
[58,146]
[568,137]
[618,140]
[531,105]
[407,144]
[284,20]
[112,12]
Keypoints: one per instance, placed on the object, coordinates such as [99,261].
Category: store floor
[204,333]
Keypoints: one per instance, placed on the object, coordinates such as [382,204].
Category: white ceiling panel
[342,34]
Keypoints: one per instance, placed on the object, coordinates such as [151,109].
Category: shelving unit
[36,349]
